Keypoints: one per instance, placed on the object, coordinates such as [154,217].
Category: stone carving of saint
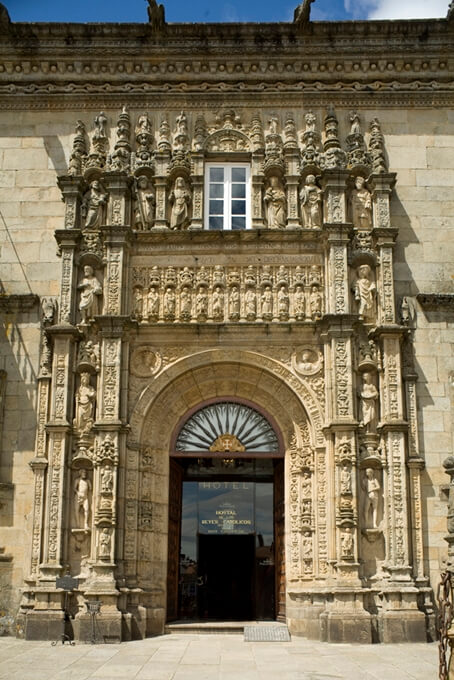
[365,290]
[361,205]
[185,303]
[106,480]
[92,205]
[306,363]
[153,303]
[267,303]
[181,124]
[138,303]
[311,204]
[276,204]
[347,543]
[306,485]
[201,303]
[346,479]
[91,291]
[169,303]
[372,489]
[234,303]
[355,123]
[85,404]
[369,398]
[105,542]
[145,204]
[218,303]
[250,304]
[315,302]
[82,491]
[283,303]
[299,303]
[100,127]
[180,199]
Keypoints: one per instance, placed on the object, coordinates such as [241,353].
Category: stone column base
[354,626]
[106,628]
[402,626]
[45,625]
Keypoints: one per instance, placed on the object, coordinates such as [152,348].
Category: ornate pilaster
[67,241]
[338,294]
[197,191]
[118,186]
[72,189]
[292,176]
[162,159]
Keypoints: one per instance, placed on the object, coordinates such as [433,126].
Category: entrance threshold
[217,627]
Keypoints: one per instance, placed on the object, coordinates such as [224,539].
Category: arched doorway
[226,515]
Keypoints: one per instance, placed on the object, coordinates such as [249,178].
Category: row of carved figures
[228,134]
[275,204]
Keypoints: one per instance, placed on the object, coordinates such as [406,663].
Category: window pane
[238,174]
[238,191]
[217,191]
[216,174]
[238,223]
[215,222]
[238,207]
[216,207]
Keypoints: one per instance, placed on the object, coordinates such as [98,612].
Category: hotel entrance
[226,517]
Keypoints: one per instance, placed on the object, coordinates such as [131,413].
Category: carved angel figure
[361,203]
[276,204]
[180,199]
[365,290]
[311,203]
[92,205]
[91,291]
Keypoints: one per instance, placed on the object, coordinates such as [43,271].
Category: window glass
[227,197]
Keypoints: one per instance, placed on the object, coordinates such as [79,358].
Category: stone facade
[332,312]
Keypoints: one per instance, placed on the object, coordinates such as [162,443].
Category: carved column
[118,186]
[257,179]
[72,189]
[197,191]
[67,241]
[292,179]
[116,240]
[162,162]
[382,186]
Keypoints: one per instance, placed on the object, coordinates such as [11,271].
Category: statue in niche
[201,303]
[145,204]
[153,303]
[105,543]
[138,303]
[250,304]
[310,119]
[267,303]
[311,204]
[346,479]
[276,204]
[372,489]
[82,491]
[106,480]
[185,303]
[100,127]
[181,124]
[347,543]
[218,303]
[315,302]
[180,199]
[355,123]
[361,202]
[169,303]
[365,290]
[89,353]
[85,405]
[283,303]
[234,303]
[306,485]
[92,205]
[299,303]
[91,291]
[369,398]
[272,125]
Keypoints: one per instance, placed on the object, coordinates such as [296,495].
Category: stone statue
[347,543]
[369,398]
[365,290]
[299,303]
[234,303]
[301,15]
[185,303]
[85,404]
[89,354]
[153,303]
[91,291]
[311,204]
[355,123]
[307,545]
[82,491]
[218,303]
[145,204]
[310,120]
[49,310]
[316,302]
[201,303]
[138,303]
[346,479]
[105,543]
[306,363]
[276,204]
[156,16]
[405,312]
[106,480]
[100,127]
[372,489]
[361,202]
[180,198]
[283,303]
[267,303]
[92,205]
[306,485]
[250,304]
[169,303]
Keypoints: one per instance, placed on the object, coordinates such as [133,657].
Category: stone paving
[216,657]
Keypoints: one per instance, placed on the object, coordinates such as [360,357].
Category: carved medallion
[145,361]
[307,361]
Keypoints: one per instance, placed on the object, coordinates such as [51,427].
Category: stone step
[215,627]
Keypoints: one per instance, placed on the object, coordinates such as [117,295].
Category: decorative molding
[10,304]
[434,302]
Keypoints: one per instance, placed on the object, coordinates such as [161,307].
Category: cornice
[433,302]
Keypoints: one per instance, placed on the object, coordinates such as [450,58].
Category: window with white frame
[227,196]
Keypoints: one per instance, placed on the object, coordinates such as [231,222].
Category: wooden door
[173,561]
[279,539]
